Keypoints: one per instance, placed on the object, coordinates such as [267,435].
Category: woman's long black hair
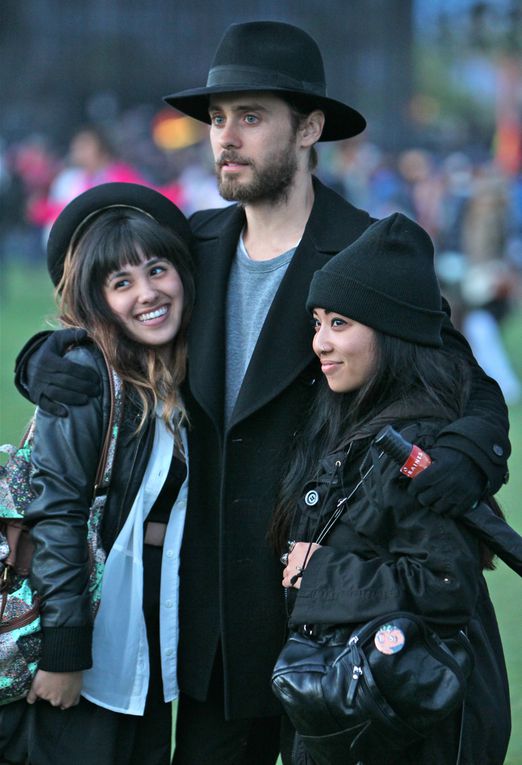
[409,381]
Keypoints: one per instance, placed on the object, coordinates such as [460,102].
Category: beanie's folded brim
[341,294]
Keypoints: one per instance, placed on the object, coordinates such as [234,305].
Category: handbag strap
[461,733]
[462,715]
[342,503]
[20,542]
[106,460]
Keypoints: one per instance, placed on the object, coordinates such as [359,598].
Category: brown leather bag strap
[106,461]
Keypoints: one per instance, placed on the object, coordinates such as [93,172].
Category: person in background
[252,376]
[92,160]
[490,282]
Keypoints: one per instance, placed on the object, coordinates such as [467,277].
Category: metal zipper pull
[357,672]
[357,669]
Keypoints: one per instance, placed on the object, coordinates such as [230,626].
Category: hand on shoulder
[49,379]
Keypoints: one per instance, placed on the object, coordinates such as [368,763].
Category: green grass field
[26,304]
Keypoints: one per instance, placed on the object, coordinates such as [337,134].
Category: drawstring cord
[340,508]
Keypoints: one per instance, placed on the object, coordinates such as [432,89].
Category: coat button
[311,498]
[499,451]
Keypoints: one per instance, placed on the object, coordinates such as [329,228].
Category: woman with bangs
[118,255]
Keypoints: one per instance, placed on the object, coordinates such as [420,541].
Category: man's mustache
[229,156]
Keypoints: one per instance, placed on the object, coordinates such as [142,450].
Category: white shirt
[119,677]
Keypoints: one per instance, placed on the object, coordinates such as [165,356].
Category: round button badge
[311,498]
[389,639]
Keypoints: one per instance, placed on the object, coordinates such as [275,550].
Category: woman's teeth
[153,314]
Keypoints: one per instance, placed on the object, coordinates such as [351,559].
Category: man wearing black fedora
[252,375]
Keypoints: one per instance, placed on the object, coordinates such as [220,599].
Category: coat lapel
[284,349]
[214,251]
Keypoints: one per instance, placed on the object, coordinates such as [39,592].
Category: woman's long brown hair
[114,238]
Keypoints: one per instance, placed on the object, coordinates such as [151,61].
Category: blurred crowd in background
[470,205]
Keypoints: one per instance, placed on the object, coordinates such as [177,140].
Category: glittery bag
[20,636]
[20,632]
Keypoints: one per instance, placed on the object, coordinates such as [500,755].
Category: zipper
[436,649]
[357,670]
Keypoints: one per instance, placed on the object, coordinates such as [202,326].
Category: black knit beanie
[386,280]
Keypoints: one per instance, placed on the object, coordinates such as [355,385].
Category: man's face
[255,147]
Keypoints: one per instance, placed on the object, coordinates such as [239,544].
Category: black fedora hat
[275,57]
[84,207]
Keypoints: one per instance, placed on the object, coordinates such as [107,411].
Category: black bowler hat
[386,280]
[275,57]
[106,196]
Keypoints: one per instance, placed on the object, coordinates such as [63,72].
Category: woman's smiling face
[345,348]
[147,299]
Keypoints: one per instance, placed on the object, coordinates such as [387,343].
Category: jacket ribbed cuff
[66,649]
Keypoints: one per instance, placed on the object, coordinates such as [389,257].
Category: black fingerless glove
[452,484]
[46,378]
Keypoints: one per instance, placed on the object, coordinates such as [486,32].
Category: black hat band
[234,75]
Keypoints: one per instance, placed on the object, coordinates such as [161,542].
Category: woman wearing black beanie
[376,308]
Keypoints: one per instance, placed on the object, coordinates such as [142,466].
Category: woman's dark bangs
[124,238]
[118,247]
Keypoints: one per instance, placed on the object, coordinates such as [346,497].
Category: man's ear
[311,128]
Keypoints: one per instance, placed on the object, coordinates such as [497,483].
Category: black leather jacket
[65,458]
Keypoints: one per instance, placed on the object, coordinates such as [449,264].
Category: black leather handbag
[358,696]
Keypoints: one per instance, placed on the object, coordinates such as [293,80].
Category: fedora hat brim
[84,207]
[341,121]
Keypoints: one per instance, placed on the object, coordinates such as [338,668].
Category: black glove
[451,484]
[48,379]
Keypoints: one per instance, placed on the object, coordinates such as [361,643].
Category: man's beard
[269,184]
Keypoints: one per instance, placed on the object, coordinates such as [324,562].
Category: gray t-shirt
[251,289]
